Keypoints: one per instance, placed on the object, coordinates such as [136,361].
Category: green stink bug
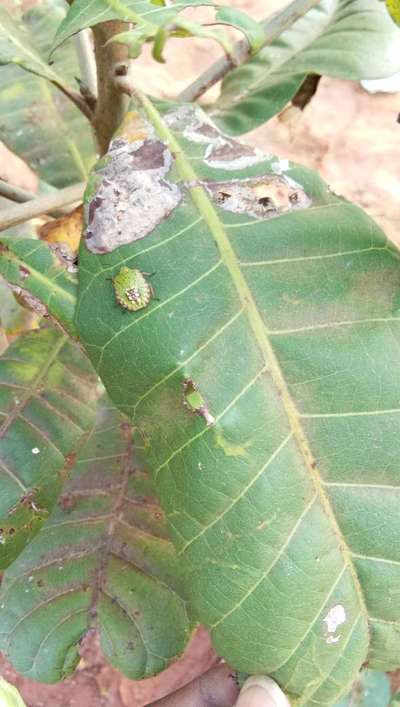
[132,291]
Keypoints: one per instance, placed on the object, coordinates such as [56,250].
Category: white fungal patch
[262,197]
[35,450]
[221,152]
[280,166]
[133,196]
[335,617]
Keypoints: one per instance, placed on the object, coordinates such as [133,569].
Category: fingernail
[260,691]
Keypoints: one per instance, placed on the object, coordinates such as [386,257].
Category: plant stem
[10,191]
[86,60]
[41,205]
[273,27]
[111,102]
[20,196]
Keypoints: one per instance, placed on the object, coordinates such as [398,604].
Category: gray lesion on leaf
[221,151]
[262,197]
[133,196]
[64,254]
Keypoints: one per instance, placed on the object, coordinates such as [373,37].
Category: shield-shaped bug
[132,291]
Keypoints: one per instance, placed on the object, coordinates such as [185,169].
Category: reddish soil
[352,138]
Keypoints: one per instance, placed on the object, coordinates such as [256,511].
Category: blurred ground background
[352,138]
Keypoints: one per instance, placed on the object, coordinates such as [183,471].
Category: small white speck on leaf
[335,617]
[31,578]
[35,450]
[333,639]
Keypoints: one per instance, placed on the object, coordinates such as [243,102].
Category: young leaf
[141,12]
[279,301]
[46,406]
[42,276]
[103,560]
[349,40]
[37,121]
[151,18]
[371,689]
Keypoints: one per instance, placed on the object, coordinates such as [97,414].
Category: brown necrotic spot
[26,299]
[263,197]
[133,196]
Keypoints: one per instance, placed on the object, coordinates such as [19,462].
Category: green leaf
[253,30]
[349,40]
[16,48]
[43,278]
[46,405]
[37,121]
[371,689]
[279,301]
[103,560]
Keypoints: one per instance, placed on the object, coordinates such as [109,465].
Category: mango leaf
[396,700]
[46,400]
[277,302]
[36,120]
[151,20]
[44,278]
[253,30]
[349,40]
[103,560]
[369,690]
[16,48]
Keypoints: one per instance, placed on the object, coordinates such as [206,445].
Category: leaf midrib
[209,214]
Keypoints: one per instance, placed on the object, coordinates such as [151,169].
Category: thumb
[260,691]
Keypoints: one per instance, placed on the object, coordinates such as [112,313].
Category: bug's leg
[153,295]
[149,274]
